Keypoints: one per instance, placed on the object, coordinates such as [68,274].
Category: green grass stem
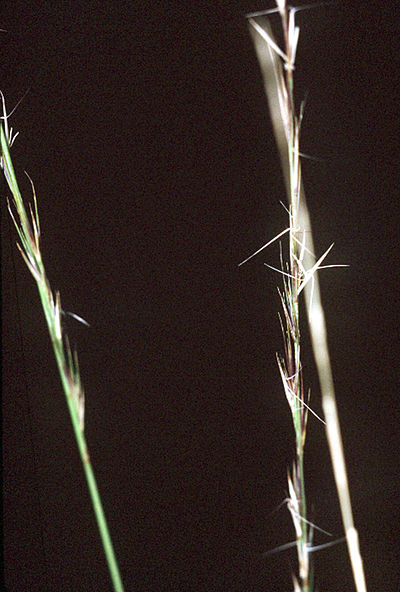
[67,361]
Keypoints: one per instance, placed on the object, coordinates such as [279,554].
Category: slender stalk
[67,361]
[277,67]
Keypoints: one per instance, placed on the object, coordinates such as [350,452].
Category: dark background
[147,134]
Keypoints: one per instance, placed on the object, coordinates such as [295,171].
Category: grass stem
[277,66]
[67,361]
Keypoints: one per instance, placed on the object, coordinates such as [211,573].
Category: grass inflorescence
[28,229]
[299,274]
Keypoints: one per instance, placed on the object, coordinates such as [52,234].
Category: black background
[147,134]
